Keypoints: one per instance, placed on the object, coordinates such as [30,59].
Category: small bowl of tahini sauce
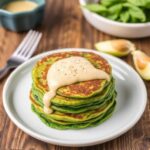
[21,15]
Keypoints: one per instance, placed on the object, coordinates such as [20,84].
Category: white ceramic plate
[131,101]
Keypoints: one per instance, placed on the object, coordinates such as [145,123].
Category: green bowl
[21,21]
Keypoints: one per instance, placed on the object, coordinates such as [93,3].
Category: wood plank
[64,26]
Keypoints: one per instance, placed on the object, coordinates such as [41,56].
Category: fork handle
[4,71]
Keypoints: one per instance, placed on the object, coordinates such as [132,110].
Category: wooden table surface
[64,26]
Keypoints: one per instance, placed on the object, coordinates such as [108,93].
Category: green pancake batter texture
[78,105]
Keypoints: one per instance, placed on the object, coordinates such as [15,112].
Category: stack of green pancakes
[75,106]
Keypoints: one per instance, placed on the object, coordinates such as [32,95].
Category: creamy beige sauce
[68,71]
[20,6]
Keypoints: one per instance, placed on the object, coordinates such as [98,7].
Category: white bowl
[126,30]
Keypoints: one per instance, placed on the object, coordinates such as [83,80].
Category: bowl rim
[23,12]
[99,17]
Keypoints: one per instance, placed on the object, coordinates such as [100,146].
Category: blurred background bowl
[21,21]
[119,29]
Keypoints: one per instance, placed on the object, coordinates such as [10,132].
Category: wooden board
[64,26]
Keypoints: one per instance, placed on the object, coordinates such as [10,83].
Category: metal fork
[23,52]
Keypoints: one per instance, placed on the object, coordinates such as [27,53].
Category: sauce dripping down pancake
[68,71]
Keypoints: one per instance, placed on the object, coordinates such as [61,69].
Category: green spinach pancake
[81,104]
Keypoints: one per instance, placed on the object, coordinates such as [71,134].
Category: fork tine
[23,42]
[24,48]
[31,50]
[30,44]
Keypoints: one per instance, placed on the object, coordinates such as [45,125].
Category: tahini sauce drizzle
[68,71]
[20,6]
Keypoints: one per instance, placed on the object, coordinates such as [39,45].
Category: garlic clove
[117,48]
[142,64]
